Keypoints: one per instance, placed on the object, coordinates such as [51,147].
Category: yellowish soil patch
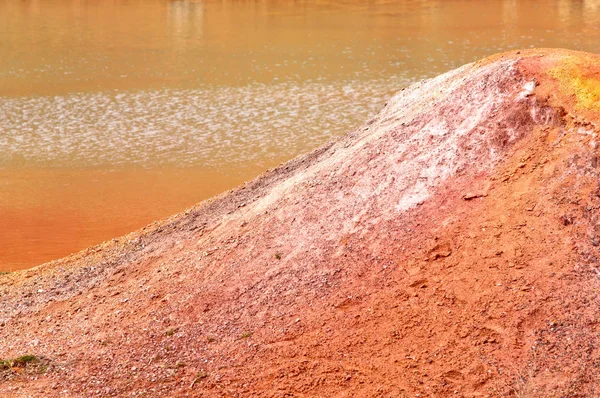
[576,78]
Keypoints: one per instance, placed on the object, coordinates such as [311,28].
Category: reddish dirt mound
[448,247]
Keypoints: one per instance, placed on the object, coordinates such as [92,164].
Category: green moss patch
[23,365]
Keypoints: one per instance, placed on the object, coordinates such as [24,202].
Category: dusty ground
[448,247]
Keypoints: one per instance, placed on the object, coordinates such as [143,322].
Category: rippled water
[139,108]
[215,127]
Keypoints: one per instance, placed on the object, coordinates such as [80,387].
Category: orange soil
[449,247]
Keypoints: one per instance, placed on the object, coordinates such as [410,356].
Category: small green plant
[24,360]
[30,364]
[211,339]
[278,256]
[245,335]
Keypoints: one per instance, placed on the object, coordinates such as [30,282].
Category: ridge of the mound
[447,246]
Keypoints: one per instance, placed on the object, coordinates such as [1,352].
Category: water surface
[116,113]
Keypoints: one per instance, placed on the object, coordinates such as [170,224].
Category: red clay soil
[448,247]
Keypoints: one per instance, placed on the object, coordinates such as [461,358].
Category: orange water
[117,113]
[49,213]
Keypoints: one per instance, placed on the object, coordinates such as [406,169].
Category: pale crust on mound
[448,247]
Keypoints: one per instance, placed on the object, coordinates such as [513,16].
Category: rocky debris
[445,248]
[474,195]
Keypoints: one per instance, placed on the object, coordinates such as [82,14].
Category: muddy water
[114,114]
